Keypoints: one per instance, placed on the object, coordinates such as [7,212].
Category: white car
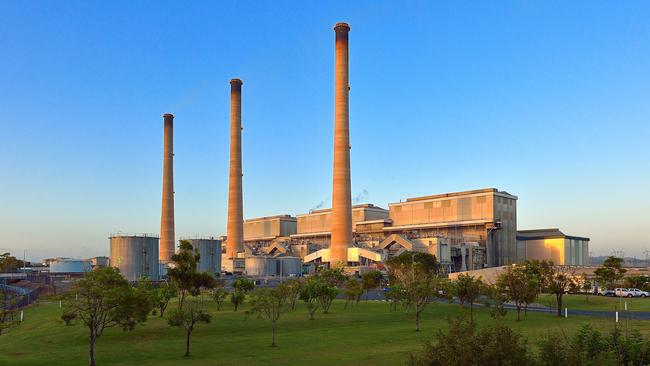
[630,292]
[635,292]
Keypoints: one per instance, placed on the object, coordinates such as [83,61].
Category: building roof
[282,217]
[552,233]
[461,193]
[354,207]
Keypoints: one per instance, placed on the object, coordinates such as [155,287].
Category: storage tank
[210,254]
[135,256]
[66,265]
[289,266]
[261,266]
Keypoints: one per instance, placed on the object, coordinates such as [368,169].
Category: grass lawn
[367,334]
[598,302]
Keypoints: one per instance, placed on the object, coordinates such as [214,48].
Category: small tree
[219,295]
[187,318]
[495,301]
[271,303]
[326,294]
[309,295]
[517,286]
[586,286]
[558,283]
[353,291]
[219,292]
[241,287]
[610,272]
[102,299]
[415,279]
[164,293]
[294,286]
[467,288]
[370,280]
[184,274]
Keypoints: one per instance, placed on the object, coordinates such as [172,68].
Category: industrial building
[468,230]
[553,245]
[209,250]
[135,255]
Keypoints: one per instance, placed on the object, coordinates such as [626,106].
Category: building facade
[553,245]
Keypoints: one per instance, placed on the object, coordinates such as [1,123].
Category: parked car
[635,292]
[606,292]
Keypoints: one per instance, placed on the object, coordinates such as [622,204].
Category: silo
[261,266]
[135,255]
[210,251]
[289,266]
[66,265]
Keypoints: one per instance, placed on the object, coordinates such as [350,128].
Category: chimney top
[236,82]
[166,115]
[342,27]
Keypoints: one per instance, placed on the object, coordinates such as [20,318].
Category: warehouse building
[554,245]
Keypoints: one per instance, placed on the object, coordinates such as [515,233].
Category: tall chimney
[341,195]
[235,239]
[167,238]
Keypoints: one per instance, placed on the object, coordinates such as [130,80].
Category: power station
[467,230]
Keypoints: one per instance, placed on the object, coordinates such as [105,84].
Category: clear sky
[549,101]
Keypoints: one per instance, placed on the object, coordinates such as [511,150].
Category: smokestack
[167,238]
[235,239]
[341,191]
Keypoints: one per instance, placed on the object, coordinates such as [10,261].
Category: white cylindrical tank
[289,266]
[135,256]
[69,266]
[261,266]
[210,254]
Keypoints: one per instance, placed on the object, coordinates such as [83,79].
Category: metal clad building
[209,250]
[135,256]
[554,245]
[66,265]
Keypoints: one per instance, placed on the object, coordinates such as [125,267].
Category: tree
[558,282]
[517,286]
[187,318]
[353,291]
[467,288]
[241,287]
[610,272]
[9,263]
[309,295]
[326,293]
[495,301]
[585,286]
[184,274]
[102,299]
[333,277]
[370,280]
[219,292]
[164,293]
[271,303]
[219,295]
[415,279]
[464,345]
[9,301]
[294,286]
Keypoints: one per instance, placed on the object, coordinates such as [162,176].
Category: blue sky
[546,100]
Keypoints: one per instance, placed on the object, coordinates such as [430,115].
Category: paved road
[378,295]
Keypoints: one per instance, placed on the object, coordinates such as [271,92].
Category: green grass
[591,302]
[367,334]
